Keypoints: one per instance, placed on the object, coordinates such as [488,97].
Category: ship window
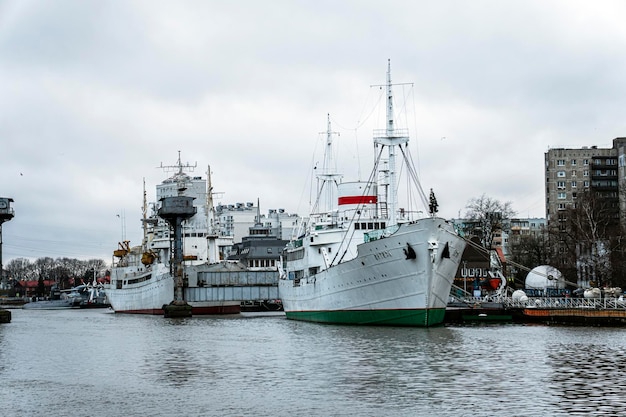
[370,226]
[376,225]
[357,226]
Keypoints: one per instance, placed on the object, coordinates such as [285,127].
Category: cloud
[95,96]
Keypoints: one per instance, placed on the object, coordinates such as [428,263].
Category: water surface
[97,363]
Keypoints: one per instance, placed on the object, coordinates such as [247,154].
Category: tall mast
[209,202]
[144,210]
[329,170]
[391,137]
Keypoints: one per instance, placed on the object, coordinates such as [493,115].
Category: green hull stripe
[417,318]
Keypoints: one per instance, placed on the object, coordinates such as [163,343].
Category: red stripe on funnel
[358,199]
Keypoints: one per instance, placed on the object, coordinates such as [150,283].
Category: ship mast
[209,202]
[329,173]
[144,210]
[391,137]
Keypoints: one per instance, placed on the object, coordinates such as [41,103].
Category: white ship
[141,278]
[365,260]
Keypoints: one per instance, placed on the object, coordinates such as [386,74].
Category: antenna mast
[391,137]
[329,170]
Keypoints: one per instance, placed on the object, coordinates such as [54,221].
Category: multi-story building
[571,172]
[511,231]
[237,219]
[518,228]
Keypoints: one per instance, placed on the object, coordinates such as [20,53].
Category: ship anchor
[409,252]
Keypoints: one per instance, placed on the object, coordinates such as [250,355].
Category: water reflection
[588,377]
[141,365]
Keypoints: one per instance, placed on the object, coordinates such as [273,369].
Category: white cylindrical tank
[518,295]
[592,293]
[544,276]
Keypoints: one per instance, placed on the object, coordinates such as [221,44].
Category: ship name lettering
[382,255]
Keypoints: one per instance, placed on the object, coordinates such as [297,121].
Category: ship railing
[395,133]
[547,302]
[568,302]
[381,233]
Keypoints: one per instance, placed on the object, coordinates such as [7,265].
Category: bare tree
[589,240]
[43,266]
[488,216]
[529,251]
[20,268]
[59,270]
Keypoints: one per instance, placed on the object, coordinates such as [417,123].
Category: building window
[586,184]
[574,184]
[561,206]
[573,162]
[585,173]
[560,184]
[560,174]
[573,173]
[585,162]
[561,196]
[560,162]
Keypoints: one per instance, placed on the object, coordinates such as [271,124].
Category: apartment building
[570,172]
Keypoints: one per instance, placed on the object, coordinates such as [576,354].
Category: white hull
[143,290]
[363,259]
[152,289]
[382,285]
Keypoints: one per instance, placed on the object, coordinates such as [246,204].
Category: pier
[550,310]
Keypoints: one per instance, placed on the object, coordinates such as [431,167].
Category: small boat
[93,295]
[364,259]
[58,299]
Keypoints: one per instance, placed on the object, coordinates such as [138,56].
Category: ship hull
[140,291]
[383,317]
[400,280]
[147,291]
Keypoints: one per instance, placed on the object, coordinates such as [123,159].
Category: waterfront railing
[546,302]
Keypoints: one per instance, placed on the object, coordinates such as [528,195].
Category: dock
[548,310]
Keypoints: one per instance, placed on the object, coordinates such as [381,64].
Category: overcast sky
[95,95]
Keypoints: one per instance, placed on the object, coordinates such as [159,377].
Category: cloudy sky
[95,95]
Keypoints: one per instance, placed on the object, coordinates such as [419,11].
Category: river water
[97,363]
